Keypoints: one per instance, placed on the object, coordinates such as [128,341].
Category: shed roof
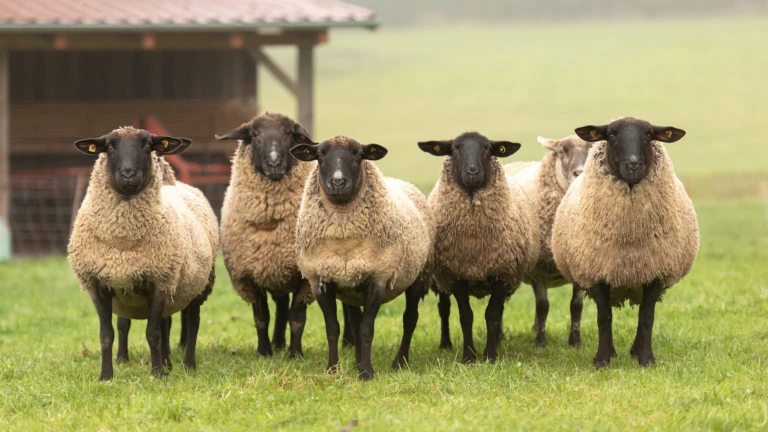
[179,15]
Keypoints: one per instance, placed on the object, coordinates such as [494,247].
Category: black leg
[298,320]
[123,328]
[642,347]
[577,305]
[373,297]
[355,316]
[493,319]
[347,339]
[282,312]
[102,301]
[156,304]
[261,318]
[542,310]
[192,318]
[183,332]
[605,350]
[410,317]
[466,317]
[167,321]
[325,295]
[444,307]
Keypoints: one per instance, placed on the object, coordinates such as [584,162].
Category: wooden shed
[76,68]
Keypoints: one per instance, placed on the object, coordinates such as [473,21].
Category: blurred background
[387,71]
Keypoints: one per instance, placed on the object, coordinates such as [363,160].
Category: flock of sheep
[307,221]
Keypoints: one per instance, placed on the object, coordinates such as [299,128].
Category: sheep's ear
[300,135]
[374,152]
[242,133]
[167,145]
[92,146]
[667,134]
[549,143]
[437,148]
[593,133]
[304,152]
[504,148]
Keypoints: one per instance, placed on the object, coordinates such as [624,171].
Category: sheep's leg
[444,307]
[493,319]
[282,311]
[102,301]
[373,297]
[347,339]
[123,328]
[183,332]
[355,316]
[192,318]
[542,310]
[298,318]
[326,299]
[577,305]
[261,318]
[413,295]
[461,292]
[155,329]
[166,338]
[605,348]
[642,348]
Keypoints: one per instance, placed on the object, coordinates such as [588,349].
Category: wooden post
[305,95]
[5,154]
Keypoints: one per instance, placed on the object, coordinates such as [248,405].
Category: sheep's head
[472,155]
[271,137]
[340,163]
[129,155]
[570,156]
[629,150]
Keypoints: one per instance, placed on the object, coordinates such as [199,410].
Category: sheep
[626,229]
[485,232]
[545,183]
[363,238]
[258,224]
[141,249]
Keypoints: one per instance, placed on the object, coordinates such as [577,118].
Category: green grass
[510,82]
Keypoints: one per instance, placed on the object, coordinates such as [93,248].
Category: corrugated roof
[59,15]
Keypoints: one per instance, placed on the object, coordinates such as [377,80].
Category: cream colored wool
[169,177]
[386,232]
[258,227]
[606,232]
[491,236]
[166,235]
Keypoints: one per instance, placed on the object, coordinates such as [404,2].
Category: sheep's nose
[473,170]
[338,182]
[578,171]
[633,164]
[127,173]
[274,162]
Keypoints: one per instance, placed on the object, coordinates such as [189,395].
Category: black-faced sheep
[361,238]
[486,233]
[626,229]
[140,249]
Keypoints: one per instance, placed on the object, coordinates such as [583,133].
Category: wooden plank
[260,57]
[306,87]
[5,147]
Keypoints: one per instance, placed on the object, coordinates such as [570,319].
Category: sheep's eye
[110,145]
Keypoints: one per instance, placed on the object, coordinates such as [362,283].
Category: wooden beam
[305,97]
[261,58]
[5,154]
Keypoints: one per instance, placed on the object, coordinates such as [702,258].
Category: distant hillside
[404,12]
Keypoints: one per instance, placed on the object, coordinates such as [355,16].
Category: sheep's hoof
[121,359]
[278,343]
[332,368]
[574,340]
[265,351]
[446,344]
[646,360]
[190,367]
[400,362]
[541,340]
[105,377]
[159,373]
[490,358]
[365,375]
[602,361]
[469,357]
[296,354]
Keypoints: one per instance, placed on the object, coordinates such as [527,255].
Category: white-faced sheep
[361,238]
[545,183]
[485,231]
[258,226]
[141,249]
[626,229]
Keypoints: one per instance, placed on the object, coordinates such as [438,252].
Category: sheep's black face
[340,165]
[129,155]
[629,151]
[472,154]
[271,137]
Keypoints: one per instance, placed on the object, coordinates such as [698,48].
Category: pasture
[396,87]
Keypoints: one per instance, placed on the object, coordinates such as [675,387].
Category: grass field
[398,87]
